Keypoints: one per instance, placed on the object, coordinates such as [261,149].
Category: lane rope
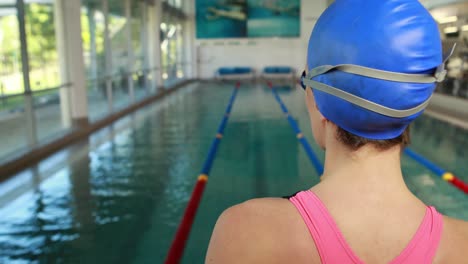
[176,250]
[305,144]
[445,175]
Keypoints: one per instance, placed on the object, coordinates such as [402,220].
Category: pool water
[118,198]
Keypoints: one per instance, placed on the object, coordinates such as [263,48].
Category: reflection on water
[444,144]
[35,223]
[95,207]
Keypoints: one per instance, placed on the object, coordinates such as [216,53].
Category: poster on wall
[247,18]
[273,18]
[221,19]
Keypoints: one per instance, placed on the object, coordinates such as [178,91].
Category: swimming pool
[119,197]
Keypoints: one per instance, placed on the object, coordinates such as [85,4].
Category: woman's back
[271,230]
[333,247]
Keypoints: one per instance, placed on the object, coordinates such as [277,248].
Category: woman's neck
[365,170]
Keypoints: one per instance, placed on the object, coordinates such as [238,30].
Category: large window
[32,109]
[175,3]
[92,25]
[172,50]
[12,117]
[93,36]
[11,79]
[42,45]
[121,54]
[115,37]
[119,58]
[139,39]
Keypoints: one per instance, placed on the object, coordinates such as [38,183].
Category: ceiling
[459,9]
[430,4]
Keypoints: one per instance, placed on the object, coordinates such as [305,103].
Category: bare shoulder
[267,230]
[457,230]
[454,242]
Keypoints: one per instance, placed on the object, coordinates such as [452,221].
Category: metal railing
[10,103]
[32,92]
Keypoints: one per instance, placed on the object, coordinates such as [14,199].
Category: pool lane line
[445,175]
[176,250]
[305,144]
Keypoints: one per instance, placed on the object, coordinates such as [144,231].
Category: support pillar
[188,45]
[73,98]
[130,54]
[144,38]
[93,64]
[154,39]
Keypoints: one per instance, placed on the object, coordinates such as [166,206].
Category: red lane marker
[460,184]
[177,248]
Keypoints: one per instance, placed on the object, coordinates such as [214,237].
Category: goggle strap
[450,53]
[380,74]
[366,104]
[438,76]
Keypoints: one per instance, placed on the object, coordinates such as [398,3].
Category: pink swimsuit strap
[333,248]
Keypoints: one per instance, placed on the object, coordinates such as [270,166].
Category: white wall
[436,3]
[258,52]
[450,104]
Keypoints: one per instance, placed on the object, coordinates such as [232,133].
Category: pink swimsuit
[333,248]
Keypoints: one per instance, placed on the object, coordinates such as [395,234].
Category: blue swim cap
[373,65]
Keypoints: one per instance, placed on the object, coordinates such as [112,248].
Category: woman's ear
[323,119]
[310,103]
[311,100]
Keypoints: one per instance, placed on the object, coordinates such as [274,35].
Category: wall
[258,52]
[436,3]
[450,109]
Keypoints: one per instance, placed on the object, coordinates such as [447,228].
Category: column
[144,39]
[73,98]
[191,46]
[188,46]
[131,56]
[154,40]
[170,64]
[92,47]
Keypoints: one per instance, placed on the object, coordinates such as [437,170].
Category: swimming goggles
[437,77]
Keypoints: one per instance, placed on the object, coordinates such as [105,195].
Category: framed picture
[247,18]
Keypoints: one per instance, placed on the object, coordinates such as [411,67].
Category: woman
[386,58]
